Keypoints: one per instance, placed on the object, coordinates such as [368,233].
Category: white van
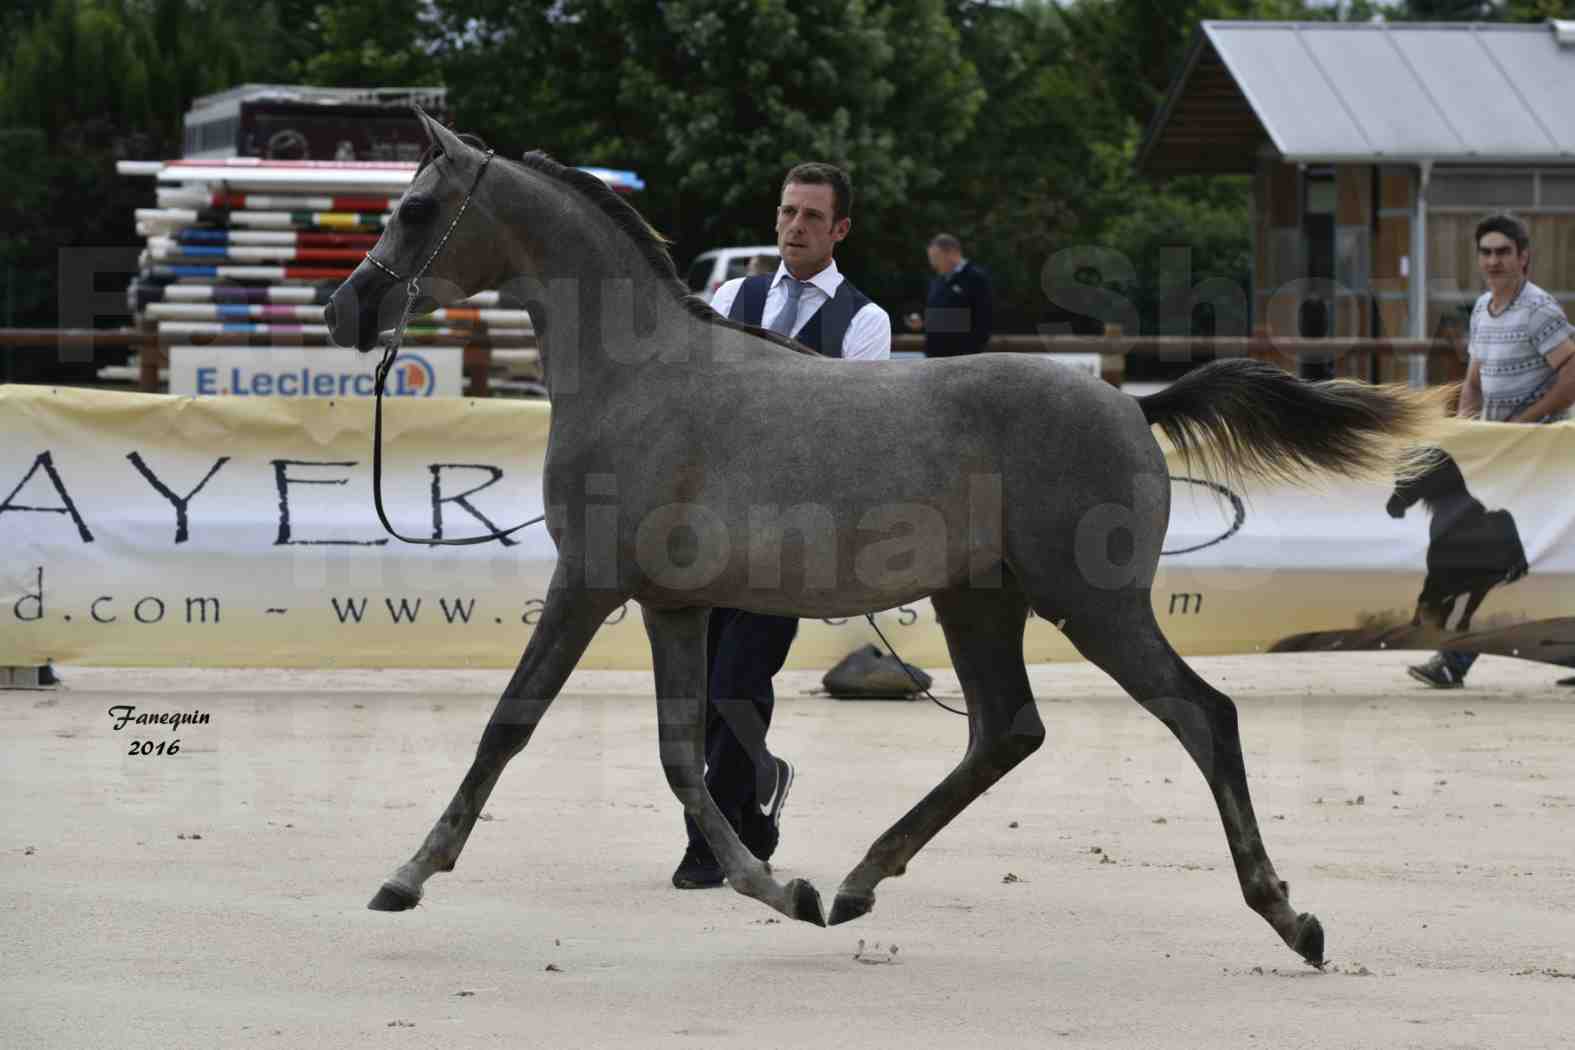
[711,269]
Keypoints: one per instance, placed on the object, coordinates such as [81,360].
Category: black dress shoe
[698,870]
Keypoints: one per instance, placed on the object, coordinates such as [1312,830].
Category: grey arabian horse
[693,462]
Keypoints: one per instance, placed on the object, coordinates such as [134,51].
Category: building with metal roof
[1374,149]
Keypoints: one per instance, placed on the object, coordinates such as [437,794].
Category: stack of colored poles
[246,252]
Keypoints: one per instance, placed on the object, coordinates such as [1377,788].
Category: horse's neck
[598,304]
[1450,508]
[611,339]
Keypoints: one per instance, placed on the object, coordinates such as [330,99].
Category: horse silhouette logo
[1470,549]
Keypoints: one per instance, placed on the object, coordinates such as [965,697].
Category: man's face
[1501,264]
[806,232]
[942,261]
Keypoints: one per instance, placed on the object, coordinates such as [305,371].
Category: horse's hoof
[846,908]
[392,898]
[806,902]
[1309,939]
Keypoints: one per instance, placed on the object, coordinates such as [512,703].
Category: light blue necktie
[782,323]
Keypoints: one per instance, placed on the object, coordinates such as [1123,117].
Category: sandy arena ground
[216,898]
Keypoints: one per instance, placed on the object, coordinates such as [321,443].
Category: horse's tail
[1238,417]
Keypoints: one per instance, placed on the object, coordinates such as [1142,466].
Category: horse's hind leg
[1116,630]
[984,631]
[568,622]
[678,656]
[1472,604]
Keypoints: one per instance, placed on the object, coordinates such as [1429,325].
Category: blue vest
[822,333]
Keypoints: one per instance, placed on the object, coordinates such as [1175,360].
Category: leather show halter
[391,351]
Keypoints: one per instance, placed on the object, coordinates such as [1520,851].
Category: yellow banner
[154,530]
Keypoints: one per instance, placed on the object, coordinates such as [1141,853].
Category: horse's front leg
[678,655]
[1434,604]
[568,623]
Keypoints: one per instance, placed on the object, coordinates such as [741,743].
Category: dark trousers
[744,651]
[1458,662]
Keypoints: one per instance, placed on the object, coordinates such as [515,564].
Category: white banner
[296,371]
[153,530]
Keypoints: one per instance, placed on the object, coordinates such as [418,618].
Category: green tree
[1472,10]
[1186,230]
[109,78]
[1446,10]
[712,101]
[1018,184]
[63,133]
[1137,47]
[85,83]
[1538,10]
[388,43]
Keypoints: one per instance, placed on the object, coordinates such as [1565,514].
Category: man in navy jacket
[957,312]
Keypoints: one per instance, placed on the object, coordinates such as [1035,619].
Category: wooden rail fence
[1429,361]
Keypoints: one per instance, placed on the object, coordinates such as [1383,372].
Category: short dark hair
[815,173]
[1509,226]
[946,243]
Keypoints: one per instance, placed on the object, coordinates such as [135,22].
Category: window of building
[1473,189]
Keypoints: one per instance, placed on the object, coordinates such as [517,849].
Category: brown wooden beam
[1446,358]
[75,337]
[478,371]
[1355,356]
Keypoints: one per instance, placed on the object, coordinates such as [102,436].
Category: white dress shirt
[869,332]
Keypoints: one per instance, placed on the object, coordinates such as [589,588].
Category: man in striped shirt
[1521,347]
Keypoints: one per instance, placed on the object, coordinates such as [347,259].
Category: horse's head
[418,242]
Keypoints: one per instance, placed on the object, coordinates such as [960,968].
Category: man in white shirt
[808,299]
[811,220]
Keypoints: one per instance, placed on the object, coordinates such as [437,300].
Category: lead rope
[909,671]
[391,351]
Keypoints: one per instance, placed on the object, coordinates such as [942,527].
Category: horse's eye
[418,209]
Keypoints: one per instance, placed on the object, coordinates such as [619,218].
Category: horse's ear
[440,136]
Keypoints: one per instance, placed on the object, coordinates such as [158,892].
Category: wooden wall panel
[1451,257]
[1353,187]
[1393,318]
[1394,187]
[1393,242]
[1553,251]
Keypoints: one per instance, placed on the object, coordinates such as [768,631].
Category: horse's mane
[652,245]
[1442,480]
